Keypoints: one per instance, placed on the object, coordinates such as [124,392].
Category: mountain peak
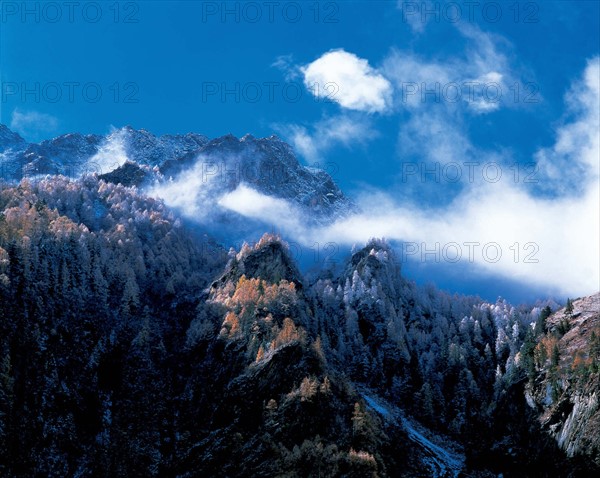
[267,165]
[9,138]
[376,250]
[268,259]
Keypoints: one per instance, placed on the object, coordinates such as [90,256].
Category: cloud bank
[252,204]
[545,242]
[565,231]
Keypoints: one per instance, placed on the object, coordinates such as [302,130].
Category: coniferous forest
[133,344]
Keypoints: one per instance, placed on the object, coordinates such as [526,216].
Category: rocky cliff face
[565,391]
[265,165]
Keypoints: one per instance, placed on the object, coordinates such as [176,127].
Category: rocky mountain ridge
[160,164]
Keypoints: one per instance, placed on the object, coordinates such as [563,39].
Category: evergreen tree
[569,307]
[540,325]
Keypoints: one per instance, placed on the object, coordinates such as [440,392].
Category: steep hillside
[565,389]
[264,401]
[97,288]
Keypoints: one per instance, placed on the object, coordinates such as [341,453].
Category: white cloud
[285,63]
[489,66]
[201,191]
[435,136]
[349,80]
[198,194]
[190,191]
[33,124]
[565,231]
[479,77]
[561,235]
[415,13]
[111,153]
[440,97]
[312,144]
[574,158]
[486,92]
[252,204]
[412,76]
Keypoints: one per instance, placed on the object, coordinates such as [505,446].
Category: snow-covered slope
[75,154]
[225,181]
[439,461]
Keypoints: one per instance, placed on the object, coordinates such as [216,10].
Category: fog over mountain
[236,189]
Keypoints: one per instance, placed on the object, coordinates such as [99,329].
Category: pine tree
[540,325]
[527,353]
[569,307]
[6,400]
[555,357]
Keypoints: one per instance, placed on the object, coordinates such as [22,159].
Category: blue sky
[342,82]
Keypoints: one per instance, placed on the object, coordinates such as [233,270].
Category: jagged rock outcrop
[268,260]
[129,174]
